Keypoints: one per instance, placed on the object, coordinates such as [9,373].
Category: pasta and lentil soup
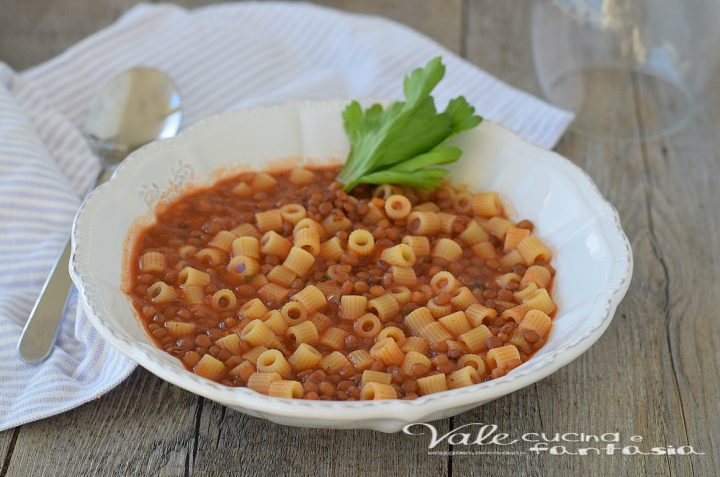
[281,282]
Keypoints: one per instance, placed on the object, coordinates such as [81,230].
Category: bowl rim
[530,372]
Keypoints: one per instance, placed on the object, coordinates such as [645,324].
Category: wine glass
[610,60]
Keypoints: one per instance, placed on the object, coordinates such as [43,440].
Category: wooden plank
[591,395]
[147,426]
[682,173]
[438,19]
[498,40]
[144,427]
[7,445]
[32,32]
[231,440]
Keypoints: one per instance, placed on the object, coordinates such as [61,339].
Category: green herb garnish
[403,143]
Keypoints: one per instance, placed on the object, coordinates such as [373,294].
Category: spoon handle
[41,329]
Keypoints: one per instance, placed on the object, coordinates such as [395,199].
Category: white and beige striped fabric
[221,57]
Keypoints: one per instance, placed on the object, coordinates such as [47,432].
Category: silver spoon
[136,107]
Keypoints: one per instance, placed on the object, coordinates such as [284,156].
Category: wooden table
[654,373]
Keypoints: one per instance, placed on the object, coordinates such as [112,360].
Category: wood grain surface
[654,373]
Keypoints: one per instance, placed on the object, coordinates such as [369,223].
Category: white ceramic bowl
[592,254]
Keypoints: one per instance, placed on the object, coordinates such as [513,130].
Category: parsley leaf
[402,143]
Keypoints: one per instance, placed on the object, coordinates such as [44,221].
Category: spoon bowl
[136,107]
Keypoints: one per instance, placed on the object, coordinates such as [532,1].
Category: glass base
[621,103]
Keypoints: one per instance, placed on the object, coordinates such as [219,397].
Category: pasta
[361,242]
[540,276]
[331,250]
[272,292]
[334,338]
[437,310]
[476,314]
[308,240]
[397,207]
[369,376]
[299,261]
[263,181]
[473,234]
[254,308]
[305,357]
[243,267]
[275,321]
[311,298]
[211,256]
[261,382]
[418,319]
[273,361]
[486,204]
[153,262]
[194,295]
[498,227]
[161,292]
[435,333]
[189,276]
[455,323]
[283,283]
[246,247]
[377,391]
[294,313]
[285,389]
[419,245]
[305,332]
[411,359]
[281,275]
[301,177]
[462,298]
[321,321]
[513,236]
[432,384]
[403,276]
[392,332]
[401,255]
[210,368]
[503,357]
[293,213]
[223,300]
[387,351]
[367,326]
[424,223]
[401,293]
[384,306]
[415,343]
[275,244]
[269,220]
[466,376]
[246,230]
[532,249]
[179,328]
[333,362]
[258,334]
[352,306]
[476,338]
[242,190]
[446,222]
[473,360]
[361,359]
[443,281]
[537,321]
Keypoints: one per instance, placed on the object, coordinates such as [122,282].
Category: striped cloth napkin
[221,57]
